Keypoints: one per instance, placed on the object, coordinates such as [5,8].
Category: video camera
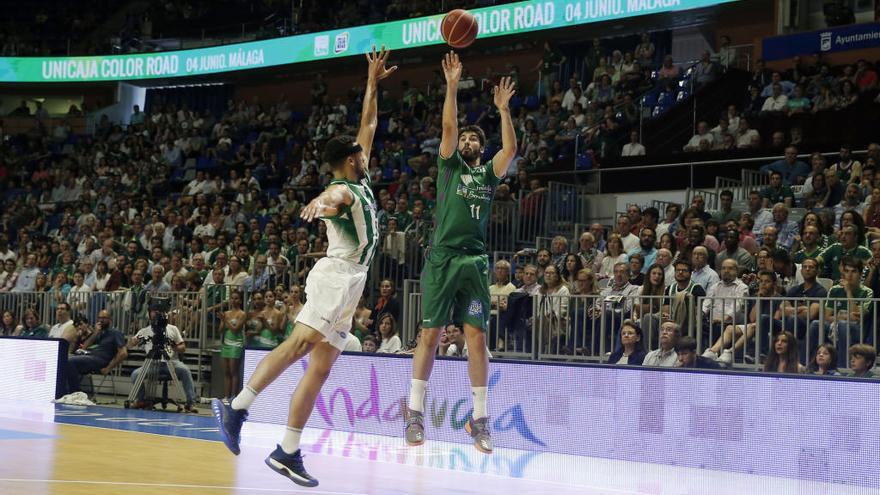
[159,308]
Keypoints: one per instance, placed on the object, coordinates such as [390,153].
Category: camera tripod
[156,361]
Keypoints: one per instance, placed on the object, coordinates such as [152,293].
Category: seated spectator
[665,355]
[726,212]
[591,257]
[848,314]
[569,270]
[706,70]
[103,349]
[798,103]
[686,349]
[388,331]
[703,135]
[746,137]
[530,284]
[832,256]
[861,361]
[784,356]
[848,169]
[776,102]
[613,306]
[614,254]
[824,361]
[30,326]
[732,250]
[552,311]
[647,308]
[633,147]
[703,274]
[785,87]
[631,350]
[792,170]
[777,192]
[753,104]
[370,345]
[740,334]
[668,72]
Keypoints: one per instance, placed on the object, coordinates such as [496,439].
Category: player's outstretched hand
[451,67]
[313,210]
[503,92]
[376,61]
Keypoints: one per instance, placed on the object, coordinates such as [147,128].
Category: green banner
[514,18]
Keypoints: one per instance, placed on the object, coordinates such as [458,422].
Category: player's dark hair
[339,148]
[476,130]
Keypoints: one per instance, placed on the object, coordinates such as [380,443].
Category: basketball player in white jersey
[333,288]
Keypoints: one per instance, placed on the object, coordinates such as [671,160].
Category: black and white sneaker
[291,466]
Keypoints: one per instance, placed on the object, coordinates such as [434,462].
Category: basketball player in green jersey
[456,276]
[333,288]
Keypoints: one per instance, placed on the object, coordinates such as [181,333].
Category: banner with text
[835,39]
[499,20]
[795,427]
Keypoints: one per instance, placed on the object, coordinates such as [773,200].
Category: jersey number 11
[475,211]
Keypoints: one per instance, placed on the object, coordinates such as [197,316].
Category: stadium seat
[531,102]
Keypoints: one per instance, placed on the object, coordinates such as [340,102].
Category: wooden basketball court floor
[55,449]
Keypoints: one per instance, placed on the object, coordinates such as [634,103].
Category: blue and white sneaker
[229,421]
[290,466]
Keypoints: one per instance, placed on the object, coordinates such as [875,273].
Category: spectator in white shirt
[746,137]
[388,330]
[703,134]
[725,300]
[633,147]
[775,103]
[624,229]
[665,355]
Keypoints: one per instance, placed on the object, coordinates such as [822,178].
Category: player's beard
[470,154]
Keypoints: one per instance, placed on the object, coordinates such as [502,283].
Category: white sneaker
[710,354]
[726,358]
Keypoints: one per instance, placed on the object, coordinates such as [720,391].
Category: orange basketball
[459,28]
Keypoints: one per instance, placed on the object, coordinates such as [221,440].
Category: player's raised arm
[376,71]
[328,203]
[502,160]
[452,72]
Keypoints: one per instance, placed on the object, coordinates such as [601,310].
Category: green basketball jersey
[464,201]
[353,233]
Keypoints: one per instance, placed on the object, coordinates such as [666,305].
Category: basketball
[459,28]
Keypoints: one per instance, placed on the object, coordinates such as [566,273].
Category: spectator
[833,255]
[614,304]
[726,212]
[665,355]
[848,170]
[370,345]
[590,256]
[387,327]
[752,105]
[784,357]
[664,260]
[27,276]
[703,274]
[614,254]
[633,147]
[553,310]
[861,361]
[705,71]
[624,230]
[668,72]
[498,292]
[103,349]
[530,281]
[586,283]
[792,170]
[739,333]
[647,239]
[648,307]
[732,250]
[702,139]
[776,102]
[631,350]
[30,326]
[747,137]
[777,192]
[569,269]
[824,361]
[669,223]
[848,310]
[686,349]
[785,87]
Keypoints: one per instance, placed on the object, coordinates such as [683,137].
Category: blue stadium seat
[516,101]
[583,161]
